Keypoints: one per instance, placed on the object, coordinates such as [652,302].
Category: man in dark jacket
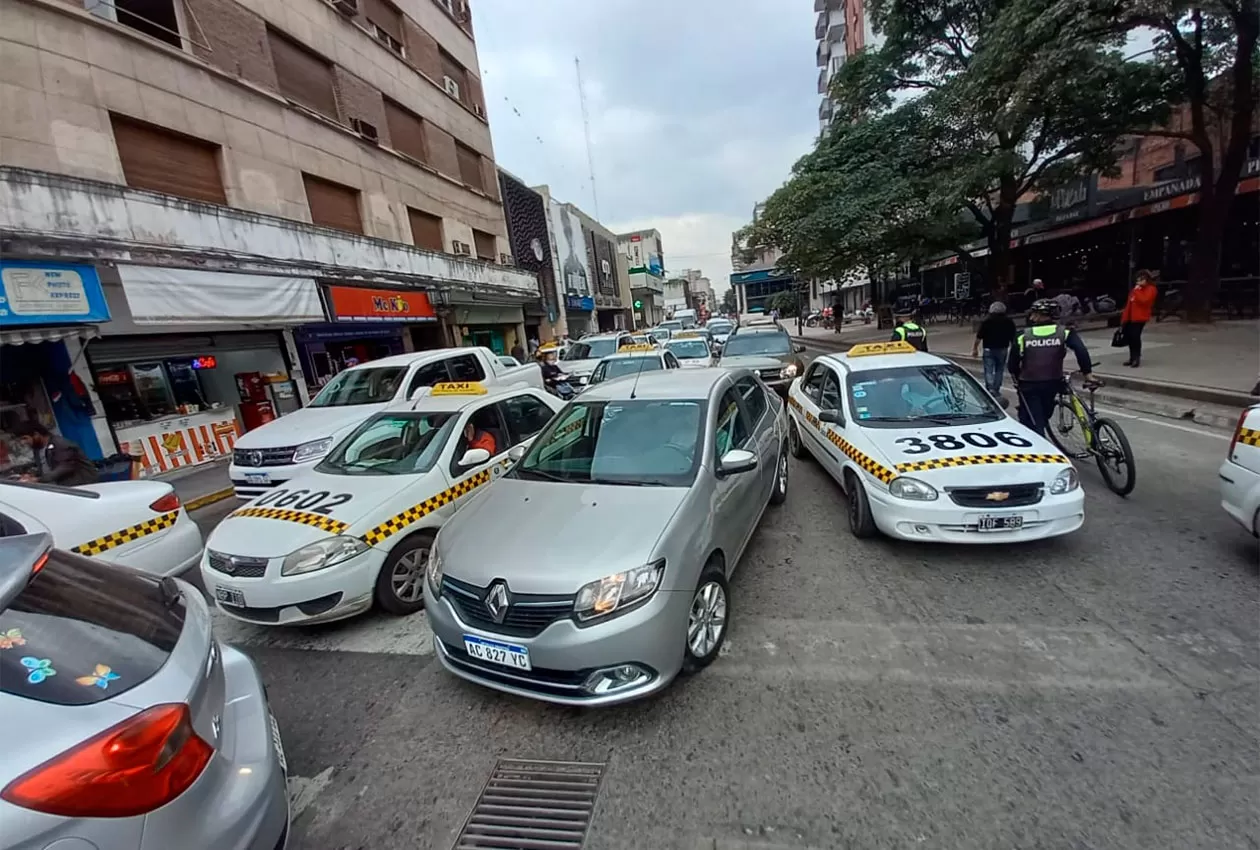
[1036,363]
[996,333]
[60,461]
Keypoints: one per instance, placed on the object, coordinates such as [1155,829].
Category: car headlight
[913,489]
[618,592]
[1065,482]
[788,371]
[321,554]
[312,450]
[434,570]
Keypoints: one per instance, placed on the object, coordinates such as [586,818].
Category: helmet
[1045,306]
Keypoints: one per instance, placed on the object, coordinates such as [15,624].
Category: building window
[159,160]
[386,23]
[426,230]
[406,131]
[304,77]
[333,205]
[485,245]
[452,70]
[470,167]
[154,18]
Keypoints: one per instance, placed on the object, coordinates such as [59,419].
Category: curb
[208,499]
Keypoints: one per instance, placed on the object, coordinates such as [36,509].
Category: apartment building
[644,265]
[840,30]
[192,191]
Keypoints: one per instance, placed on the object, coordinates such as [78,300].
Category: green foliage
[786,303]
[729,302]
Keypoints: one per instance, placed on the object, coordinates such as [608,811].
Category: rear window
[83,632]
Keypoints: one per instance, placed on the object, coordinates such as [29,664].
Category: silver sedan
[597,569]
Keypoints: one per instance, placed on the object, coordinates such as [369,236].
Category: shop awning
[162,296]
[18,336]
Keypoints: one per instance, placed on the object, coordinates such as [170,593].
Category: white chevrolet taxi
[357,528]
[692,349]
[924,453]
[633,359]
[1240,472]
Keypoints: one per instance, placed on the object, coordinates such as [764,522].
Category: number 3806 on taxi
[924,453]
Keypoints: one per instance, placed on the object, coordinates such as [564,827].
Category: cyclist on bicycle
[1036,363]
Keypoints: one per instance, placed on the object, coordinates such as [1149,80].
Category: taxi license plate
[257,478]
[1000,523]
[503,654]
[277,743]
[230,595]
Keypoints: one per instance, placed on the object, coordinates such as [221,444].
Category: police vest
[913,334]
[1042,350]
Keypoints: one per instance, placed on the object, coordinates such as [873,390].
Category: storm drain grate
[533,805]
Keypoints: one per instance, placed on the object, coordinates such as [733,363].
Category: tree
[1206,53]
[730,303]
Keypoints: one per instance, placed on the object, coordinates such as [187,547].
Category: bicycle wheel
[1113,448]
[1068,431]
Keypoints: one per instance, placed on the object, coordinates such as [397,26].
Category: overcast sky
[698,108]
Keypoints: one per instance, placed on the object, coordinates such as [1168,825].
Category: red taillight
[39,565]
[1242,417]
[130,769]
[166,504]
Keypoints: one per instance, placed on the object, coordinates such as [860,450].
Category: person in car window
[476,439]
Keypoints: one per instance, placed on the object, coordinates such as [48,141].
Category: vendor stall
[170,442]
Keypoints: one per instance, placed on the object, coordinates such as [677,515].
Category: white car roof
[410,357]
[855,360]
[626,355]
[454,399]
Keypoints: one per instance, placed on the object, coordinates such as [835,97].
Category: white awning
[18,336]
[162,296]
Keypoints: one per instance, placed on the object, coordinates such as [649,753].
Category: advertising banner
[50,294]
[575,276]
[353,304]
[634,255]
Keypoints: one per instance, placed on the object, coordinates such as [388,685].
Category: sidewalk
[203,485]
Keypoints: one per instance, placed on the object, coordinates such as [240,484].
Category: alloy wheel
[707,621]
[407,578]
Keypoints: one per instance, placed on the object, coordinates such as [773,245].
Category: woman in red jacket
[1137,312]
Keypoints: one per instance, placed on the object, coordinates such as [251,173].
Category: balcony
[820,27]
[835,35]
[825,5]
[824,80]
[825,110]
[822,53]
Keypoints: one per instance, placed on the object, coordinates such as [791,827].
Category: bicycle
[1102,438]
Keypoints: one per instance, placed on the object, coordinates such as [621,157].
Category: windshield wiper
[543,475]
[950,417]
[614,482]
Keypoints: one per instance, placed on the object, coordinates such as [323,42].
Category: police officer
[909,330]
[1036,363]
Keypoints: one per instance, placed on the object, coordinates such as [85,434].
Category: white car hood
[579,367]
[309,423]
[1036,459]
[695,363]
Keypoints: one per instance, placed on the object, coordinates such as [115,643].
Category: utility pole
[586,126]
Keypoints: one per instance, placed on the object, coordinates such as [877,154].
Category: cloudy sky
[698,109]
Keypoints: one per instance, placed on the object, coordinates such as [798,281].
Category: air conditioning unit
[349,8]
[605,267]
[365,130]
[506,260]
[452,87]
[463,249]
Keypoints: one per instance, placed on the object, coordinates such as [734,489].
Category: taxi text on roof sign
[637,347]
[459,388]
[867,349]
[687,335]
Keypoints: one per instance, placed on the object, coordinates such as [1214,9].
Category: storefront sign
[352,304]
[206,362]
[50,294]
[586,304]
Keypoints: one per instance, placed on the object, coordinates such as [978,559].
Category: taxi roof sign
[459,388]
[637,346]
[688,335]
[868,349]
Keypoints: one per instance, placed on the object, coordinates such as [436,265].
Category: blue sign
[50,294]
[655,267]
[573,302]
[758,276]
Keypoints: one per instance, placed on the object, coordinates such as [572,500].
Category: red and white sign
[354,304]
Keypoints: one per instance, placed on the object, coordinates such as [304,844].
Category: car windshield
[719,327]
[919,396]
[646,442]
[689,349]
[753,344]
[391,444]
[672,325]
[592,349]
[617,367]
[361,386]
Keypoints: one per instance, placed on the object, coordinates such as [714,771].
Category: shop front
[499,327]
[194,359]
[47,312]
[579,314]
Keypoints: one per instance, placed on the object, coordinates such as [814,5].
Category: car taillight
[129,769]
[166,504]
[1242,417]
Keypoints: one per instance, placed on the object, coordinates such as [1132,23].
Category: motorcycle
[560,387]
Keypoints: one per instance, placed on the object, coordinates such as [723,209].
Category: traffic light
[638,305]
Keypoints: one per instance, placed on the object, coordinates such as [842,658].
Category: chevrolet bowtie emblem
[998,496]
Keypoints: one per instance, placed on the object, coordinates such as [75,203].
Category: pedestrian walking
[518,351]
[996,334]
[1136,313]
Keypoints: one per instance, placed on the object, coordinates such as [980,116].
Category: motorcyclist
[552,375]
[1036,363]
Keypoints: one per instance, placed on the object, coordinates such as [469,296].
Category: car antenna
[635,386]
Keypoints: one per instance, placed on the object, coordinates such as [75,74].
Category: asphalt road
[1098,691]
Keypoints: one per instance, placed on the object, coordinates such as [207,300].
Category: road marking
[374,633]
[1111,411]
[303,790]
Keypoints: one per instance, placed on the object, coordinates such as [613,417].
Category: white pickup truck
[269,456]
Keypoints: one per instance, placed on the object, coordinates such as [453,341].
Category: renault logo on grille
[998,496]
[497,602]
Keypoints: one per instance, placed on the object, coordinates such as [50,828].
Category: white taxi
[356,529]
[692,349]
[633,359]
[1240,472]
[923,452]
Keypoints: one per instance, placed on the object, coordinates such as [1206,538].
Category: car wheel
[779,494]
[707,620]
[861,522]
[794,440]
[400,583]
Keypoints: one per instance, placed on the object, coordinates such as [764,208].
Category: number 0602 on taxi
[925,453]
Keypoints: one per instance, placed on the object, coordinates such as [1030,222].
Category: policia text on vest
[1036,362]
[912,333]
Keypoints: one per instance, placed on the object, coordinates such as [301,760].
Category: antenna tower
[586,126]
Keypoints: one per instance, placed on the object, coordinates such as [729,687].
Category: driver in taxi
[475,439]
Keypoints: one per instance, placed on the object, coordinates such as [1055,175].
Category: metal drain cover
[533,805]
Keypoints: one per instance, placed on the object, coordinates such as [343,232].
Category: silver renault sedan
[597,569]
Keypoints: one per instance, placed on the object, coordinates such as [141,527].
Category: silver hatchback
[596,570]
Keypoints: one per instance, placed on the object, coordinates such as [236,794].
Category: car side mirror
[835,417]
[473,457]
[515,453]
[736,461]
[799,349]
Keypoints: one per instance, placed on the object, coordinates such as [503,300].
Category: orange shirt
[483,440]
[1141,302]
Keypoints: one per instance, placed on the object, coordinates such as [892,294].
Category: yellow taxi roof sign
[687,335]
[459,388]
[868,349]
[637,346]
